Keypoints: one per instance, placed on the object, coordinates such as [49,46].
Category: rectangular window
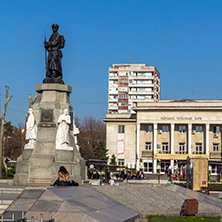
[141,97]
[182,129]
[215,147]
[147,146]
[123,73]
[123,96]
[199,129]
[148,128]
[123,104]
[121,129]
[148,167]
[216,129]
[123,81]
[123,89]
[164,147]
[121,162]
[115,81]
[141,89]
[113,74]
[181,148]
[130,80]
[198,148]
[165,128]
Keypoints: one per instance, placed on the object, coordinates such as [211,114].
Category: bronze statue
[54,65]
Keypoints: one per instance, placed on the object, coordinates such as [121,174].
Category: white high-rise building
[132,83]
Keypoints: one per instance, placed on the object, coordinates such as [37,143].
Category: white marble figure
[75,133]
[30,130]
[62,136]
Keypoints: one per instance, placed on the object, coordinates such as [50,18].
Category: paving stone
[32,194]
[67,207]
[80,206]
[49,195]
[101,217]
[22,204]
[69,217]
[44,205]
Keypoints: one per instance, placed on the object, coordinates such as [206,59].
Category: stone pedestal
[40,165]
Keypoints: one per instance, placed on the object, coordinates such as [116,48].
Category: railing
[24,219]
[147,153]
[215,155]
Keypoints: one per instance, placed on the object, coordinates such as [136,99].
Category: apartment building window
[141,97]
[141,89]
[121,162]
[216,129]
[148,128]
[215,147]
[165,128]
[123,89]
[123,73]
[123,96]
[130,81]
[121,129]
[148,167]
[123,81]
[123,104]
[113,74]
[182,129]
[199,129]
[147,146]
[181,148]
[198,148]
[164,147]
[115,81]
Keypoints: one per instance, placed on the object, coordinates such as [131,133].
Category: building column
[137,146]
[207,138]
[172,165]
[189,138]
[154,146]
[172,139]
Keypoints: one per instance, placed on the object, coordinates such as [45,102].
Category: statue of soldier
[54,65]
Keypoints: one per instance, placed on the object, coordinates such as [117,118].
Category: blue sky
[183,39]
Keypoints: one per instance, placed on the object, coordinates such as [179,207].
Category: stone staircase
[7,196]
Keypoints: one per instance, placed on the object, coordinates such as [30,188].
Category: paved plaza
[69,204]
[162,199]
[124,202]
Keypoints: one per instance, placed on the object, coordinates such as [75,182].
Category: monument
[51,133]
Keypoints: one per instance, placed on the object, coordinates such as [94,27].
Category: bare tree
[92,137]
[7,99]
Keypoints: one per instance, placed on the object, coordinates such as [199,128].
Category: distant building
[165,133]
[130,84]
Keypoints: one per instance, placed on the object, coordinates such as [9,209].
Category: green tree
[113,162]
[100,151]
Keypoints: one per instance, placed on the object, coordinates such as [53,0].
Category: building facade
[130,84]
[165,133]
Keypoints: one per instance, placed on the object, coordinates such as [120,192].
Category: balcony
[147,153]
[164,152]
[215,155]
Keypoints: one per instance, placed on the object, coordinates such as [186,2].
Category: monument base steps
[39,182]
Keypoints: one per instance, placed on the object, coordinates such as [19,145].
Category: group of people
[128,174]
[177,173]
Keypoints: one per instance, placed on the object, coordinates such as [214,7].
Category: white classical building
[165,133]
